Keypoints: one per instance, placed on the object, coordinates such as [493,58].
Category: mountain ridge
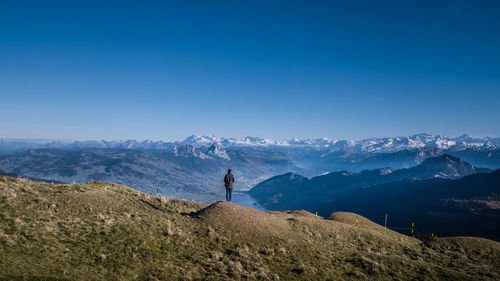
[381,144]
[444,166]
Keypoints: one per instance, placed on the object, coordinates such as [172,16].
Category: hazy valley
[192,169]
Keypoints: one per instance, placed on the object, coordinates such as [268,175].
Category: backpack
[228,180]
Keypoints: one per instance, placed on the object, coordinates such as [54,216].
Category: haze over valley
[193,168]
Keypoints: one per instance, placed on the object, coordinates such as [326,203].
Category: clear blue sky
[278,69]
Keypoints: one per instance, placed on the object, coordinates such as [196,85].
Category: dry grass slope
[104,231]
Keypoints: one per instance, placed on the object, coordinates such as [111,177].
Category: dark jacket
[229,180]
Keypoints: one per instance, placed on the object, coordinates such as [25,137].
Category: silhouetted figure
[228,182]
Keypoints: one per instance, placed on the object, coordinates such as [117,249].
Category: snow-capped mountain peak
[188,150]
[218,151]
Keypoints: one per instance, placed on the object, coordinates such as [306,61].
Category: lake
[246,200]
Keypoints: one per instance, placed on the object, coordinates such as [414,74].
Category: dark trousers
[228,194]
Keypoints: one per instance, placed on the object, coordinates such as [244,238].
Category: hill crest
[97,231]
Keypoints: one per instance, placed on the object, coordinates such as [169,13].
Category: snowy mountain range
[385,144]
[371,145]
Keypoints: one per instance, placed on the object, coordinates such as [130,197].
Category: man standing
[228,182]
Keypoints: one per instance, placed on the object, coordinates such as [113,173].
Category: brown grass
[103,231]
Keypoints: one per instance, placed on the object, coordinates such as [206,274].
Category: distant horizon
[42,140]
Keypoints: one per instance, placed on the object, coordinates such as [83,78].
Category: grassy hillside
[103,231]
